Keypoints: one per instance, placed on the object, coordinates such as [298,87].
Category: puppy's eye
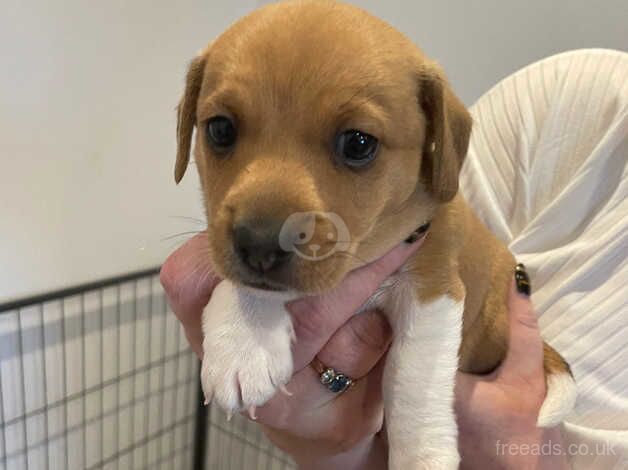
[356,148]
[221,133]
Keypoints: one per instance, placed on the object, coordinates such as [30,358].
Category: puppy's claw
[252,413]
[285,391]
[293,336]
[229,415]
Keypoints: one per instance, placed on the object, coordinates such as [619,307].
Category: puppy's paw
[246,354]
[239,372]
[560,400]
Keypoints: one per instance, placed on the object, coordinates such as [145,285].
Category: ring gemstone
[339,384]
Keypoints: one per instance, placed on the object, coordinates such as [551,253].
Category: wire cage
[101,377]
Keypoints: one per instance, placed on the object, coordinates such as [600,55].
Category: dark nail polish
[414,236]
[522,280]
[423,228]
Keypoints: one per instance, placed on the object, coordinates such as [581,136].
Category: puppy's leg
[561,394]
[246,348]
[419,381]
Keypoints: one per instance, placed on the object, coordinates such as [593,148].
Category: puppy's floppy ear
[186,115]
[448,128]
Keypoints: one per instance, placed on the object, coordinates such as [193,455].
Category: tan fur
[292,76]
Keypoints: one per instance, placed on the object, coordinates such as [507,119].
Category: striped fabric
[548,172]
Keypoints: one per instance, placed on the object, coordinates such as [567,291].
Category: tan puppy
[325,137]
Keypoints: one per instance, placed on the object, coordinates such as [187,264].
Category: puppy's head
[323,138]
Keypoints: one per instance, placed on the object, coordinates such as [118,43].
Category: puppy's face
[323,138]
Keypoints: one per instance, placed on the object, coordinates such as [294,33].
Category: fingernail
[414,236]
[285,391]
[522,280]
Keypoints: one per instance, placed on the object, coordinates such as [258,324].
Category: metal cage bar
[100,376]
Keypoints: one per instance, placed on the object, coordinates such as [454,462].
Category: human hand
[497,413]
[321,430]
[317,428]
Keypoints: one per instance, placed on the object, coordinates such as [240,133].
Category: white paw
[246,349]
[560,400]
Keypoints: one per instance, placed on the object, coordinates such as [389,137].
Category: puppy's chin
[302,277]
[284,295]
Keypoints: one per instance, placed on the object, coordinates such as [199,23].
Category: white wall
[87,96]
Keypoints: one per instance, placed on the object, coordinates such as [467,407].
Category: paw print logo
[314,236]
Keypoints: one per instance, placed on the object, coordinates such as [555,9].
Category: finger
[358,345]
[355,350]
[365,399]
[194,336]
[316,318]
[335,426]
[525,350]
[188,281]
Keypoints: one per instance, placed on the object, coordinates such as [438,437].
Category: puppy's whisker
[182,234]
[352,256]
[199,270]
[202,280]
[191,219]
[334,242]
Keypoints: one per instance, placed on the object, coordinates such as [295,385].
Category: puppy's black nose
[257,245]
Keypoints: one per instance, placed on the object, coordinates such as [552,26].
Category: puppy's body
[293,79]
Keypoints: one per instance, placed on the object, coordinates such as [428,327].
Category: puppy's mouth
[264,285]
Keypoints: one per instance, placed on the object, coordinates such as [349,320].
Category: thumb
[188,281]
[525,350]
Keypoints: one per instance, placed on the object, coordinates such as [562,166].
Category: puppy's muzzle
[256,244]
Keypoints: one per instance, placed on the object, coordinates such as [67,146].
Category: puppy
[324,138]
